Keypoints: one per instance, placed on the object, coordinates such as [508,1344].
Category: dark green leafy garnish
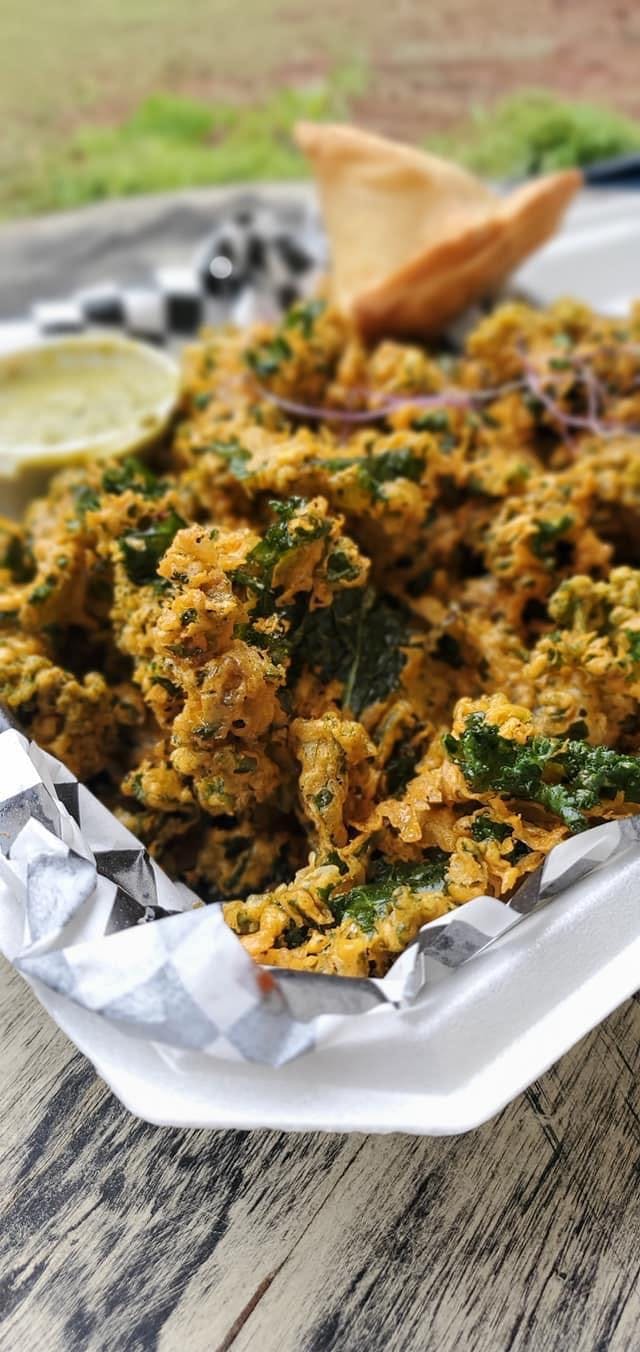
[487,828]
[277,644]
[358,641]
[567,778]
[437,420]
[633,639]
[374,899]
[235,455]
[334,858]
[376,470]
[142,550]
[340,567]
[267,358]
[547,534]
[86,500]
[296,935]
[303,316]
[132,474]
[280,539]
[19,560]
[322,799]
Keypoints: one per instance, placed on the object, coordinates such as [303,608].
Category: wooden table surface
[116,1234]
[123,1236]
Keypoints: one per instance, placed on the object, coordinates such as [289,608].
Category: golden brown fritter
[362,639]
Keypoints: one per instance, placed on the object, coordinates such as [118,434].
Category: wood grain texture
[116,1234]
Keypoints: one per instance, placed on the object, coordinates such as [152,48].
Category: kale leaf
[436,420]
[565,777]
[340,567]
[376,470]
[358,640]
[132,473]
[296,935]
[19,560]
[86,500]
[547,534]
[267,358]
[303,316]
[633,639]
[142,550]
[374,899]
[235,455]
[280,539]
[487,828]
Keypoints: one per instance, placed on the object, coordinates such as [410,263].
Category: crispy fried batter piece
[345,675]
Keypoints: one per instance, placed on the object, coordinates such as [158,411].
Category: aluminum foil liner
[87,913]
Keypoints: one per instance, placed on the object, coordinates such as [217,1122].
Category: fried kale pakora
[361,639]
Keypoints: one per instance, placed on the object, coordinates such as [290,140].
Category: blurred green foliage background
[112,97]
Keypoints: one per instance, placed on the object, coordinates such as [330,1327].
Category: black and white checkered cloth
[259,258]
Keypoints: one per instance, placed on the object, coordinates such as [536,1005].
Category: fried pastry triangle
[414,239]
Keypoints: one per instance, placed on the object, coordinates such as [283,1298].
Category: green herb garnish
[132,474]
[303,316]
[547,534]
[566,777]
[267,358]
[487,828]
[633,639]
[371,902]
[142,550]
[280,539]
[358,640]
[340,567]
[235,455]
[86,500]
[19,560]
[376,470]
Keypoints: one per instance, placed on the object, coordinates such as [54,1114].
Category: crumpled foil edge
[85,911]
